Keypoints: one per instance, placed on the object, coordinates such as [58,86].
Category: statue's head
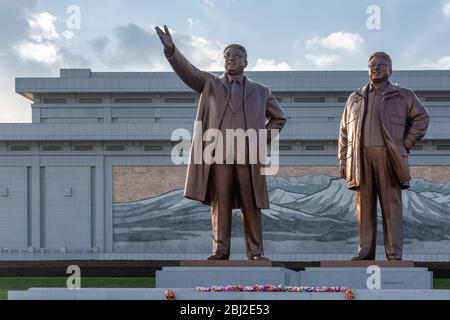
[380,67]
[235,59]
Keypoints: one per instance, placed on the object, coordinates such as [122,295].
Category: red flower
[170,295]
[349,294]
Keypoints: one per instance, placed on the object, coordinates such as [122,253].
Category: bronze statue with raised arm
[229,101]
[380,124]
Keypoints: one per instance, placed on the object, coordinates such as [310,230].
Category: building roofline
[86,81]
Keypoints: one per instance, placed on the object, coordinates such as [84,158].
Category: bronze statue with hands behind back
[380,124]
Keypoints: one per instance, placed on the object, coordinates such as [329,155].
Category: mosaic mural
[312,213]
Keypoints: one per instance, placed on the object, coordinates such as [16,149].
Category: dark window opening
[153,148]
[51,148]
[83,148]
[20,148]
[115,148]
[133,100]
[179,100]
[437,99]
[314,148]
[55,100]
[310,99]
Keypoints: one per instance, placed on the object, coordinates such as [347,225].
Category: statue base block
[191,277]
[225,263]
[363,278]
[366,263]
[350,274]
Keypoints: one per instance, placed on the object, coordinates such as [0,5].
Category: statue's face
[379,69]
[234,61]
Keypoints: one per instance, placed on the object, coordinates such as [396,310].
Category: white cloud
[446,9]
[40,52]
[133,47]
[67,34]
[43,43]
[209,3]
[42,27]
[193,22]
[15,108]
[30,46]
[337,41]
[329,50]
[323,60]
[442,63]
[270,65]
[203,53]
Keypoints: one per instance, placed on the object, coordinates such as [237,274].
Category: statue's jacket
[404,121]
[261,110]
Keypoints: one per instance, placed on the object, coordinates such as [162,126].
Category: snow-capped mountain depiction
[309,208]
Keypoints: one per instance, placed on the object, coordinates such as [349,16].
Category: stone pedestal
[355,274]
[398,280]
[191,294]
[226,263]
[350,274]
[358,277]
[366,263]
[191,277]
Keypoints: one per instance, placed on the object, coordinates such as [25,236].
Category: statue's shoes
[362,257]
[258,257]
[218,256]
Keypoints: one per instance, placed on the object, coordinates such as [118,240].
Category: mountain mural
[309,209]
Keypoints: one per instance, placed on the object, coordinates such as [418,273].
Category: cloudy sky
[38,37]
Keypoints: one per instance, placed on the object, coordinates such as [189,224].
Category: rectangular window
[314,148]
[83,148]
[342,99]
[54,100]
[179,100]
[153,148]
[115,148]
[437,99]
[133,100]
[51,148]
[309,99]
[20,148]
[286,148]
[443,147]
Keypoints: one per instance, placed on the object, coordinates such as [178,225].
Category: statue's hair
[238,46]
[382,55]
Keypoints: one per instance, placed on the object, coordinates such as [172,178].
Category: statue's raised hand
[166,39]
